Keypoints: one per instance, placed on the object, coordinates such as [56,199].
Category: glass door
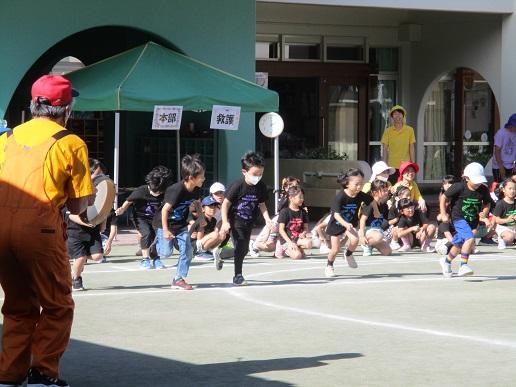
[343,112]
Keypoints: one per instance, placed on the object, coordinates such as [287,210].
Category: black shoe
[239,280]
[37,379]
[77,284]
[487,242]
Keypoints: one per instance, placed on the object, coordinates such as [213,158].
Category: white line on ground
[483,340]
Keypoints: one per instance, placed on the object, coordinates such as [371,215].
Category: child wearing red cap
[408,172]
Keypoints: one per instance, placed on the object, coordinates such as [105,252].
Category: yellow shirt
[66,171]
[398,142]
[415,194]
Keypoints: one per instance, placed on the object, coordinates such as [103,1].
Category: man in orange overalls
[43,168]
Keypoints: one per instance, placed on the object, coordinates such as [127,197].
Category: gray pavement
[393,321]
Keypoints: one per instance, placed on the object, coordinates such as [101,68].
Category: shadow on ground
[86,365]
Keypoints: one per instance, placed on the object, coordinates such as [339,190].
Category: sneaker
[476,250]
[351,261]
[77,284]
[329,271]
[394,245]
[146,264]
[217,259]
[253,251]
[37,379]
[441,246]
[404,248]
[181,284]
[446,267]
[158,264]
[279,252]
[487,242]
[465,270]
[324,249]
[501,244]
[367,251]
[204,256]
[239,280]
[103,260]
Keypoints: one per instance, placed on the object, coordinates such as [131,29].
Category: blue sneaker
[146,264]
[158,264]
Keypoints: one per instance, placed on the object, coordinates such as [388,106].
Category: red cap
[54,88]
[404,165]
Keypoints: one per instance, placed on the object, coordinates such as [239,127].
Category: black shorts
[144,227]
[84,248]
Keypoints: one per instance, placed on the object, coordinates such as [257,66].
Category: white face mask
[253,180]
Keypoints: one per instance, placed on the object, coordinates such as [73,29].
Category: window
[385,58]
[267,47]
[305,48]
[348,49]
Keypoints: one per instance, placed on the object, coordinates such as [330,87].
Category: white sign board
[262,79]
[167,117]
[225,117]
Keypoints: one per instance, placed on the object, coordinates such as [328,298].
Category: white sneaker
[501,244]
[446,266]
[253,252]
[441,246]
[476,250]
[351,261]
[324,249]
[465,270]
[329,271]
[395,245]
[367,251]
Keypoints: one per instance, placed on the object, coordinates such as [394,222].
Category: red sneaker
[181,284]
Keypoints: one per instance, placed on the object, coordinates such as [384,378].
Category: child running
[344,219]
[293,225]
[244,199]
[373,229]
[147,199]
[467,199]
[172,219]
[505,215]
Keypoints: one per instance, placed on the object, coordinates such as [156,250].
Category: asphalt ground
[393,321]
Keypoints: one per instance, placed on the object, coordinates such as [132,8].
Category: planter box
[318,177]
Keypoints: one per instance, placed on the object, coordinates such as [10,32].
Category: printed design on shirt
[377,222]
[510,213]
[151,208]
[348,212]
[180,211]
[246,206]
[295,226]
[508,149]
[470,209]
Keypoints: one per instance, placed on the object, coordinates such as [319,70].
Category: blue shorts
[463,232]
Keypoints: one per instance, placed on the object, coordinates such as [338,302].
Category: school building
[338,66]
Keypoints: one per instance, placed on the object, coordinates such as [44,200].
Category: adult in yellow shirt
[398,141]
[43,168]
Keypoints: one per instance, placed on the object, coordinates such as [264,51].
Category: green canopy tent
[150,74]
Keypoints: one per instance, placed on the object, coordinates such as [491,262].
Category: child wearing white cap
[468,199]
[380,171]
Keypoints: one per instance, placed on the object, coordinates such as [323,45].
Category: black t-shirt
[418,219]
[393,212]
[294,222]
[245,199]
[145,204]
[204,224]
[382,221]
[504,210]
[180,199]
[348,208]
[467,204]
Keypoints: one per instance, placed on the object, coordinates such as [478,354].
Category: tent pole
[178,153]
[276,173]
[116,155]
